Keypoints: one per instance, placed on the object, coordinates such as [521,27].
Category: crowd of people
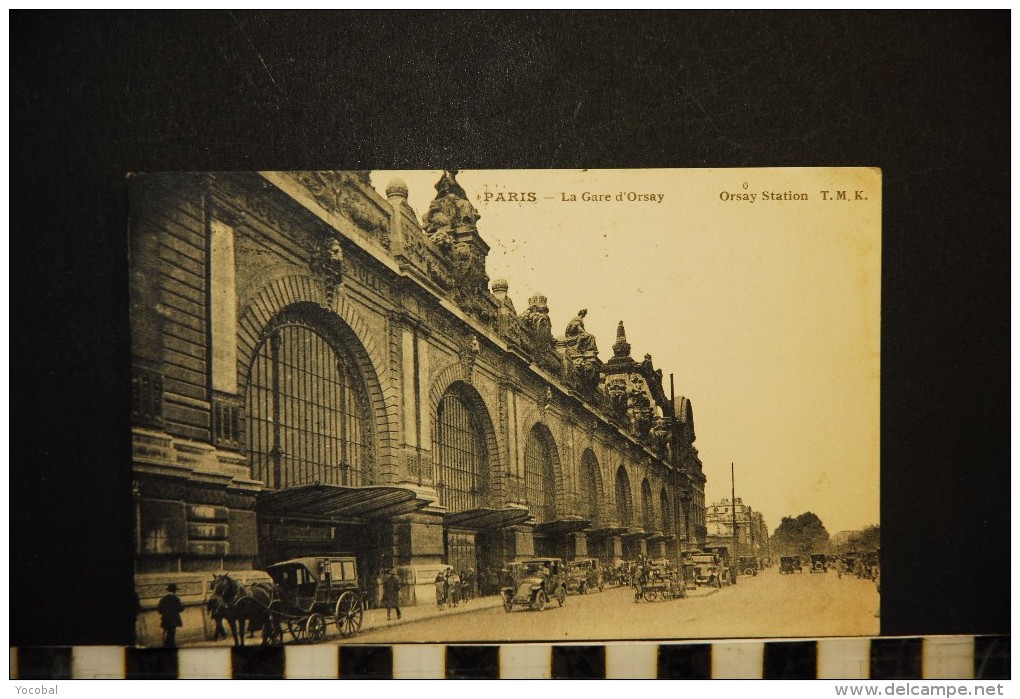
[453,588]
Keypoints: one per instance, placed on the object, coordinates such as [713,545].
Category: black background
[924,96]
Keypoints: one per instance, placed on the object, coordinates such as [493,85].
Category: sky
[766,311]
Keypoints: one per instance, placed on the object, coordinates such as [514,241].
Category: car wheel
[540,600]
[748,571]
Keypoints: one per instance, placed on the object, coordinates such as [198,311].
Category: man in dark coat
[170,609]
[391,593]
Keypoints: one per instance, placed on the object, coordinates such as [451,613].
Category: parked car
[747,565]
[539,581]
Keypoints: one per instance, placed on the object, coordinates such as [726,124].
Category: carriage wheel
[561,595]
[508,601]
[349,611]
[315,628]
[649,595]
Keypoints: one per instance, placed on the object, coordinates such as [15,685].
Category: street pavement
[769,605]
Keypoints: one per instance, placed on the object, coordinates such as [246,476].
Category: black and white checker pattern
[949,657]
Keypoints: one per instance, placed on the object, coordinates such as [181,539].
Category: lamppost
[733,514]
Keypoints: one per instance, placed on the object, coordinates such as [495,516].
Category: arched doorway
[461,459]
[541,462]
[309,424]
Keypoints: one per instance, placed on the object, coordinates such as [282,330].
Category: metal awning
[321,500]
[480,518]
[607,530]
[565,525]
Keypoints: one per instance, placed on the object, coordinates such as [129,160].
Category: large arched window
[623,506]
[539,474]
[589,485]
[647,513]
[459,454]
[307,415]
[664,510]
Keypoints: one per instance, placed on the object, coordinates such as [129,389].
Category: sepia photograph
[442,406]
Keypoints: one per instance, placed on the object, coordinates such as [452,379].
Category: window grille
[647,513]
[622,497]
[460,457]
[539,481]
[589,487]
[307,418]
[147,397]
[667,527]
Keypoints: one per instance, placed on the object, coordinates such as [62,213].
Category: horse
[239,605]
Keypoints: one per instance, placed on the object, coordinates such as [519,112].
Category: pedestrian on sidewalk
[170,609]
[391,593]
[441,591]
[453,582]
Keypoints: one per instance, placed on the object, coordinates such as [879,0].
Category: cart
[661,583]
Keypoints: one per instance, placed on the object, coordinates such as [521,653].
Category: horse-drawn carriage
[307,595]
[310,593]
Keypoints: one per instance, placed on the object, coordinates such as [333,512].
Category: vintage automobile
[788,564]
[538,581]
[747,565]
[819,563]
[709,570]
[584,575]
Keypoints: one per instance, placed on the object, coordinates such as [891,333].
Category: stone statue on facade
[327,264]
[639,406]
[659,436]
[579,340]
[616,387]
[450,210]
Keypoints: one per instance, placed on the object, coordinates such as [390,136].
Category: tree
[867,539]
[801,535]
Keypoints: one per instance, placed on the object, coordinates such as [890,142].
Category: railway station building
[316,370]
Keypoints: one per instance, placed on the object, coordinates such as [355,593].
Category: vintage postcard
[459,406]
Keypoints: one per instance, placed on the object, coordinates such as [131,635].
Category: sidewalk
[376,618]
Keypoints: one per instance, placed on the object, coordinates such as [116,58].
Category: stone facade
[299,328]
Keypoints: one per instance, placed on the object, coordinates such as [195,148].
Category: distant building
[752,532]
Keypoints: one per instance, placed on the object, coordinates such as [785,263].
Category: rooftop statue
[579,340]
[450,209]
